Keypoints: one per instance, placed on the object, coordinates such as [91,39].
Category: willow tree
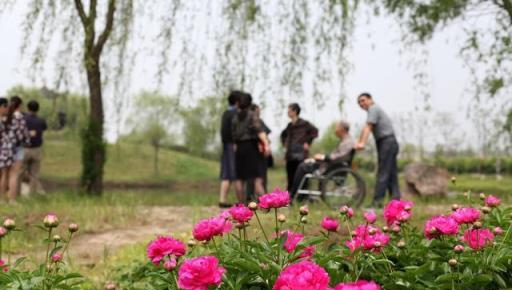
[276,49]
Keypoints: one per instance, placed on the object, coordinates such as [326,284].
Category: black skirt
[248,160]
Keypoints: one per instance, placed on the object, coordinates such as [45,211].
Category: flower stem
[389,266]
[262,229]
[277,223]
[48,248]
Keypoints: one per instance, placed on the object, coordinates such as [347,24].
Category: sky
[378,67]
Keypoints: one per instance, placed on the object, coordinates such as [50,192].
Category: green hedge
[454,165]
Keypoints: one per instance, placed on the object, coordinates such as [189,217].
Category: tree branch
[109,24]
[81,12]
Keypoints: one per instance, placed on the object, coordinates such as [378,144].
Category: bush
[466,249]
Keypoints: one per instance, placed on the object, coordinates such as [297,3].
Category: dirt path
[88,249]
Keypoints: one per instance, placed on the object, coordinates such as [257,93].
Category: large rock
[426,179]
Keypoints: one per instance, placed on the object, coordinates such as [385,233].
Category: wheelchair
[338,185]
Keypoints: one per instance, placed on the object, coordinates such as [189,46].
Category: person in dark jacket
[227,164]
[296,139]
[251,148]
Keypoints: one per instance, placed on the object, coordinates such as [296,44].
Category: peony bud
[455,207]
[110,286]
[304,220]
[281,218]
[191,243]
[343,210]
[458,248]
[452,262]
[482,196]
[372,231]
[377,245]
[253,206]
[170,264]
[477,225]
[3,232]
[466,194]
[9,224]
[73,228]
[56,257]
[486,209]
[433,231]
[395,229]
[400,244]
[385,229]
[304,210]
[454,180]
[354,233]
[51,221]
[407,208]
[498,231]
[56,238]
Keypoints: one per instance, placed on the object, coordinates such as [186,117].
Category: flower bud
[304,220]
[486,209]
[432,231]
[253,206]
[466,194]
[304,210]
[407,208]
[372,231]
[400,244]
[56,238]
[170,264]
[281,218]
[9,224]
[454,180]
[385,229]
[498,231]
[395,229]
[344,210]
[73,228]
[51,221]
[458,248]
[239,226]
[3,232]
[353,233]
[452,262]
[56,257]
[482,196]
[192,243]
[455,207]
[477,225]
[377,245]
[110,286]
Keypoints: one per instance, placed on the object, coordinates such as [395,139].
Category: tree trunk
[94,181]
[155,161]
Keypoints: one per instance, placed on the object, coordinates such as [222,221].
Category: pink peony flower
[397,210]
[330,224]
[477,239]
[164,246]
[57,257]
[441,225]
[370,216]
[466,215]
[304,275]
[359,285]
[292,240]
[498,231]
[369,237]
[200,273]
[51,220]
[205,230]
[276,199]
[375,242]
[3,232]
[3,266]
[492,201]
[354,244]
[241,213]
[170,264]
[350,212]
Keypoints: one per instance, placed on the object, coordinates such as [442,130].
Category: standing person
[227,167]
[33,154]
[251,148]
[380,125]
[296,139]
[16,136]
[6,152]
[266,162]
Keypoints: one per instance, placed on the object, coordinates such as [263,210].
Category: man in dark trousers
[31,166]
[380,125]
[296,139]
[227,165]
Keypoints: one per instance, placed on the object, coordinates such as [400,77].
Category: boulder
[426,180]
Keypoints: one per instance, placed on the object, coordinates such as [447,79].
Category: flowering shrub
[52,273]
[468,247]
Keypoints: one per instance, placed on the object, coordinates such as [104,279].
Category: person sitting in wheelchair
[343,153]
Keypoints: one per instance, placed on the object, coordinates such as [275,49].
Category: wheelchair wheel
[343,187]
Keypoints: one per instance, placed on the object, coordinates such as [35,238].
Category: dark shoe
[225,205]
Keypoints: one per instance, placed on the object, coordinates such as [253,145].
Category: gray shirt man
[382,126]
